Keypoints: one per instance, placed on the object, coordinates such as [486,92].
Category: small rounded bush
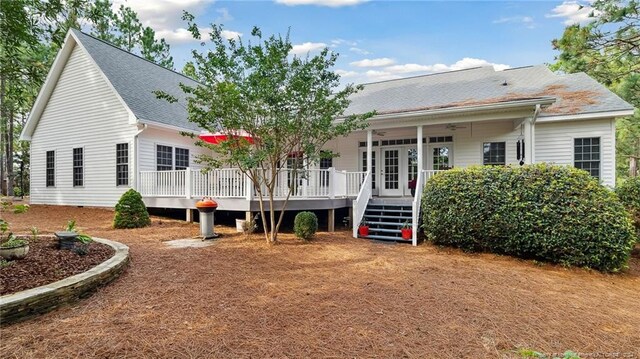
[553,213]
[629,193]
[131,211]
[305,225]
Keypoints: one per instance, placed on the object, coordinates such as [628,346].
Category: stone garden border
[21,305]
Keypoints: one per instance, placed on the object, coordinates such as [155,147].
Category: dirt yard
[335,297]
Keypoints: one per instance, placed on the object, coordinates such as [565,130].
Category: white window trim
[573,154]
[128,165]
[55,164]
[173,154]
[73,184]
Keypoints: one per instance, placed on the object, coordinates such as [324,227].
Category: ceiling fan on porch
[453,127]
[379,133]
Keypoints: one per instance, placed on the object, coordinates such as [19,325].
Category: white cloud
[469,62]
[182,35]
[306,47]
[338,42]
[527,21]
[409,68]
[345,73]
[383,61]
[224,15]
[402,70]
[228,34]
[329,3]
[358,50]
[377,75]
[574,12]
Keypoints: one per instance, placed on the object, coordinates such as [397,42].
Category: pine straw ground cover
[333,297]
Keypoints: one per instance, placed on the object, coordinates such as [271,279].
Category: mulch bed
[45,264]
[333,297]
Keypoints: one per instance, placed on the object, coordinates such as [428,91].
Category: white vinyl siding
[82,112]
[555,143]
[150,138]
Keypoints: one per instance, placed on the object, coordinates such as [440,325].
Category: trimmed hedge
[553,213]
[131,211]
[629,193]
[305,225]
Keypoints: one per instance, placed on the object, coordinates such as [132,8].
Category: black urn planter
[66,240]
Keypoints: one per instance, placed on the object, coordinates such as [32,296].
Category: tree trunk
[3,123]
[9,154]
[633,166]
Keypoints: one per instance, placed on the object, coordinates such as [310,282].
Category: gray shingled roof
[574,93]
[135,79]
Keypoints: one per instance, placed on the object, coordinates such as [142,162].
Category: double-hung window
[169,158]
[78,167]
[586,155]
[122,164]
[164,158]
[182,158]
[494,153]
[51,168]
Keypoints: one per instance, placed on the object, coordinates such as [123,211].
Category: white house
[97,129]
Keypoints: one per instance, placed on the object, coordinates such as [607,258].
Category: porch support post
[369,149]
[189,215]
[187,183]
[420,151]
[528,141]
[331,220]
[248,188]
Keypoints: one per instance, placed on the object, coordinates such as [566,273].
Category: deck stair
[385,218]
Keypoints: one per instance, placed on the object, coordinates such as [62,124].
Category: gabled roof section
[132,78]
[135,79]
[574,93]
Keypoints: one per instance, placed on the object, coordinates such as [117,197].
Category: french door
[440,157]
[391,175]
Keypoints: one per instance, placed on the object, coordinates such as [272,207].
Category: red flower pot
[363,231]
[407,233]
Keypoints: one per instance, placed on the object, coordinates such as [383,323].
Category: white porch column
[369,149]
[528,141]
[420,150]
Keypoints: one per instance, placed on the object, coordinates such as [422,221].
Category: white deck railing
[361,202]
[232,183]
[163,183]
[219,183]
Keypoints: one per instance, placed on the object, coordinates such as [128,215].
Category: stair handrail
[361,202]
[415,208]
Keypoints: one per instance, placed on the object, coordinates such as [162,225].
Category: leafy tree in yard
[287,105]
[131,211]
[608,49]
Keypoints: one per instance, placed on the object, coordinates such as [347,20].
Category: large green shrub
[555,213]
[131,211]
[629,193]
[305,225]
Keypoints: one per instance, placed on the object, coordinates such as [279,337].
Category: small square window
[494,153]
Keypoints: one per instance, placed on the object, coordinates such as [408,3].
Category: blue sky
[379,40]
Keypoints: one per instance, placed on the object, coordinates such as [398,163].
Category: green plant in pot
[10,246]
[406,231]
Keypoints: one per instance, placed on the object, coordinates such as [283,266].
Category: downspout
[136,156]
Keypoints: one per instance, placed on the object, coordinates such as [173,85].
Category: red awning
[218,137]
